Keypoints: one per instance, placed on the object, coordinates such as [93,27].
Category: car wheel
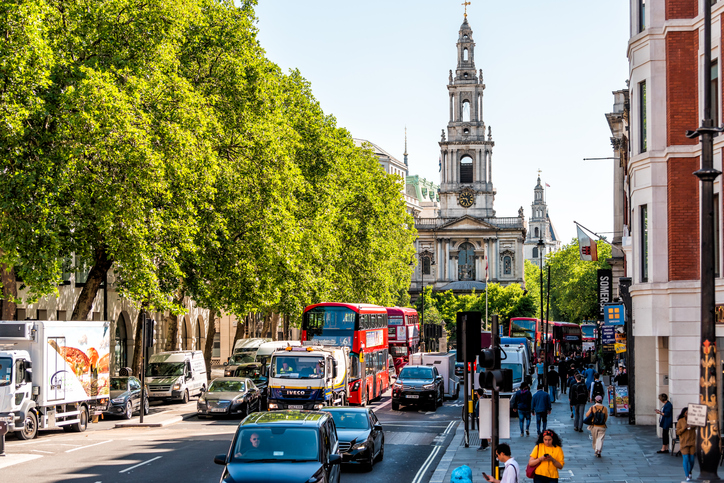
[31,426]
[442,398]
[82,424]
[371,462]
[395,406]
[185,398]
[146,407]
[381,454]
[128,413]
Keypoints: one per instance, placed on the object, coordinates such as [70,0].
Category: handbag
[588,419]
[530,470]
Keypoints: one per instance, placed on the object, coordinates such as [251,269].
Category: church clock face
[466,198]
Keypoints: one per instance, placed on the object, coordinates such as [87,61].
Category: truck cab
[16,389]
[309,377]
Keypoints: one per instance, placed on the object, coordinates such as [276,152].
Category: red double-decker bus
[403,333]
[525,327]
[362,328]
[564,338]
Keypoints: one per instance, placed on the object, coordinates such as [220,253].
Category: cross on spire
[466,8]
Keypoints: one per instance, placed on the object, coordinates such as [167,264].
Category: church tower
[466,186]
[540,228]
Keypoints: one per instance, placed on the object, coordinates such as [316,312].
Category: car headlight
[360,445]
[273,406]
[118,400]
[177,386]
[397,385]
[428,386]
[318,406]
[202,400]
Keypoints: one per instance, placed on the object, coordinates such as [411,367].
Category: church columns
[446,262]
[478,166]
[452,100]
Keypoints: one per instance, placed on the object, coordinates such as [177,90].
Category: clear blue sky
[549,66]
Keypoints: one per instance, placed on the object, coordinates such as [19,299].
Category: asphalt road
[414,443]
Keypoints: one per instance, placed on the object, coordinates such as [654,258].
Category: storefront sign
[619,348]
[605,290]
[608,335]
[696,415]
[621,399]
[614,315]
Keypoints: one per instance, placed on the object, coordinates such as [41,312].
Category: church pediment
[467,223]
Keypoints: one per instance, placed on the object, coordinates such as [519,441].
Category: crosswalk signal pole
[495,401]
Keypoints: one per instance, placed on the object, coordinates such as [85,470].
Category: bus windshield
[523,328]
[589,331]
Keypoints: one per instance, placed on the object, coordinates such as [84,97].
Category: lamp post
[541,245]
[707,442]
[430,262]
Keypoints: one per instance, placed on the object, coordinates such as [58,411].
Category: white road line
[449,427]
[426,464]
[39,451]
[90,445]
[141,464]
[384,404]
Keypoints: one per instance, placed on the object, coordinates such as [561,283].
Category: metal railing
[506,222]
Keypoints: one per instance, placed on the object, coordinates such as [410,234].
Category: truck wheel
[128,413]
[185,398]
[31,426]
[82,424]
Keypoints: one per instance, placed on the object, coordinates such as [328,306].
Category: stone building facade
[458,238]
[540,229]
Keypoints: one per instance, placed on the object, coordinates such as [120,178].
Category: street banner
[608,338]
[587,247]
[614,315]
[605,290]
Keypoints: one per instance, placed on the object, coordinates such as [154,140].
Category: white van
[254,352]
[176,375]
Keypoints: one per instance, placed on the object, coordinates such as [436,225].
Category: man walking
[597,388]
[522,405]
[541,408]
[589,373]
[578,395]
[511,473]
[553,380]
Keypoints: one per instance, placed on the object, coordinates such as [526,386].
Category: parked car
[229,396]
[257,372]
[459,369]
[419,385]
[125,393]
[286,446]
[235,361]
[361,438]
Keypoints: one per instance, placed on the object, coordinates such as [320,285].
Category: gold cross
[466,8]
[539,172]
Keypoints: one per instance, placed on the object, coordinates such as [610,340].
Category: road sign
[614,315]
[696,415]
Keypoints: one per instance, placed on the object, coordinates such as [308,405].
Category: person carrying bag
[546,459]
[596,418]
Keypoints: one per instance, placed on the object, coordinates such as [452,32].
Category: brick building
[659,195]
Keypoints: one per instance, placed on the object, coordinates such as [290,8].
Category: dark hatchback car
[125,395]
[361,438]
[257,372]
[284,447]
[229,396]
[419,385]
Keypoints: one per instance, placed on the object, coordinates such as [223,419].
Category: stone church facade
[540,229]
[455,237]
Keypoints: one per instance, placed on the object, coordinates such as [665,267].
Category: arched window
[537,235]
[197,336]
[121,344]
[465,55]
[507,265]
[535,252]
[426,265]
[466,262]
[466,111]
[466,169]
[184,335]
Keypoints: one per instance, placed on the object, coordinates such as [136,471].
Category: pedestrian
[511,473]
[666,421]
[541,406]
[578,395]
[597,388]
[621,378]
[564,373]
[598,417]
[547,457]
[571,381]
[541,368]
[589,373]
[687,442]
[521,403]
[553,380]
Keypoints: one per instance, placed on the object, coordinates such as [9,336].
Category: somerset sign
[605,290]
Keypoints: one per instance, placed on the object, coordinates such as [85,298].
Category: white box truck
[53,374]
[445,363]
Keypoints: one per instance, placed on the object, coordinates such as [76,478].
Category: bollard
[3,432]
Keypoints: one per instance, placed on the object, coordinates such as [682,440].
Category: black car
[229,396]
[125,397]
[257,372]
[285,447]
[361,439]
[420,385]
[459,369]
[235,361]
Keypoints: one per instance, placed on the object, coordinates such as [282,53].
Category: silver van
[176,375]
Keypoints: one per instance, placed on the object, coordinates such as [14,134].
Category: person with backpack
[597,388]
[579,396]
[521,403]
[596,417]
[553,380]
[571,381]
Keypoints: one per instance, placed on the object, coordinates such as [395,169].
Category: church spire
[405,153]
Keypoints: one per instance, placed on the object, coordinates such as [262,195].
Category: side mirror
[203,389]
[220,459]
[226,363]
[335,459]
[377,427]
[28,375]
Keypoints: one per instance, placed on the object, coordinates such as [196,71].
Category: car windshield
[241,358]
[119,384]
[350,419]
[6,371]
[156,369]
[416,373]
[227,386]
[275,444]
[517,371]
[253,373]
[298,367]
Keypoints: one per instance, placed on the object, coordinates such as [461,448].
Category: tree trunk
[137,347]
[84,304]
[265,325]
[171,332]
[10,292]
[286,327]
[239,334]
[209,344]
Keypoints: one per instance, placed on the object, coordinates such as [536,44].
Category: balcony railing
[506,223]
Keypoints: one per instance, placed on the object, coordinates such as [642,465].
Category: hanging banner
[614,315]
[608,338]
[605,290]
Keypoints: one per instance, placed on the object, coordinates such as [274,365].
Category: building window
[465,55]
[466,111]
[717,245]
[466,170]
[535,252]
[216,351]
[715,92]
[644,243]
[537,233]
[426,265]
[642,15]
[466,262]
[507,265]
[642,117]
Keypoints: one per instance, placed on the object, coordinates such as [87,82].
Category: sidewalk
[629,453]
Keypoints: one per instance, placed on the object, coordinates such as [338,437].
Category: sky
[550,68]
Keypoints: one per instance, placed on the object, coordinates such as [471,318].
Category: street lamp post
[707,442]
[542,245]
[430,262]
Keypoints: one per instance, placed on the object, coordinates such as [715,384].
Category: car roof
[238,379]
[409,365]
[286,418]
[347,409]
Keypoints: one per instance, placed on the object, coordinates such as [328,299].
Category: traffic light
[497,379]
[489,358]
[468,331]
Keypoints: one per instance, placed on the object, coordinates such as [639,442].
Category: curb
[159,424]
[440,472]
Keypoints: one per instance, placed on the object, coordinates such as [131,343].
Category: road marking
[449,427]
[141,464]
[384,404]
[426,464]
[39,451]
[90,445]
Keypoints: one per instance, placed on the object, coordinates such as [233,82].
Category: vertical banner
[605,290]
